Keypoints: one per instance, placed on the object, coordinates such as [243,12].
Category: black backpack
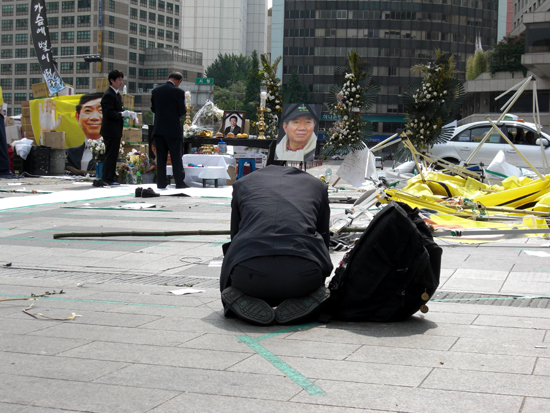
[391,271]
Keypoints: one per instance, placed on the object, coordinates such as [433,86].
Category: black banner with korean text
[42,46]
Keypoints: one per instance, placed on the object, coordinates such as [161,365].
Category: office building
[141,38]
[224,26]
[393,35]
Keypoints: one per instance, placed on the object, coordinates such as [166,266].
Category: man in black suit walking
[278,255]
[168,105]
[111,126]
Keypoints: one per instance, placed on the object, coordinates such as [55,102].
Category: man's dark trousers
[175,146]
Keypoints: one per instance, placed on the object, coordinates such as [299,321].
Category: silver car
[466,138]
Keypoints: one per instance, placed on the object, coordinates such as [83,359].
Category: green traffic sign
[204,81]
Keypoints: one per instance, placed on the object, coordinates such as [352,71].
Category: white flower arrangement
[97,147]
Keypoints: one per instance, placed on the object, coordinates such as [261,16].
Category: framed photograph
[233,122]
[298,132]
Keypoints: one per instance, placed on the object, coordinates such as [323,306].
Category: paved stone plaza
[135,347]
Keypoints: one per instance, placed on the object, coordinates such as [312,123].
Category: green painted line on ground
[65,202]
[49,297]
[120,209]
[292,374]
[286,330]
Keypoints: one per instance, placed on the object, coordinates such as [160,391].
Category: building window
[162,73]
[7,97]
[142,30]
[184,74]
[66,67]
[169,21]
[52,7]
[111,21]
[21,38]
[133,42]
[84,5]
[82,67]
[67,51]
[82,82]
[112,37]
[5,83]
[19,97]
[7,10]
[35,68]
[6,69]
[67,21]
[111,51]
[169,7]
[20,68]
[152,32]
[152,17]
[133,13]
[168,35]
[21,24]
[143,3]
[153,4]
[161,5]
[111,5]
[67,37]
[143,15]
[53,22]
[142,44]
[151,45]
[148,72]
[141,58]
[133,28]
[83,36]
[176,37]
[7,24]
[392,71]
[54,37]
[160,33]
[177,9]
[132,57]
[83,50]
[67,6]
[7,39]
[21,83]
[22,9]
[20,52]
[131,71]
[160,19]
[68,80]
[110,66]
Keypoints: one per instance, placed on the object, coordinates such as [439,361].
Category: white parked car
[467,137]
[379,162]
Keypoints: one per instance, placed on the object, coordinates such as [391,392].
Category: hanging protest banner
[42,46]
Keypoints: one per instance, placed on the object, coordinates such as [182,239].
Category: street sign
[204,81]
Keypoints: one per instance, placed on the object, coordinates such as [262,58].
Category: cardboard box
[131,135]
[40,90]
[25,111]
[128,102]
[101,84]
[55,140]
[8,121]
[26,104]
[69,90]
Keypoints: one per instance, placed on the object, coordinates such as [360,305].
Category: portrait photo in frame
[233,119]
[298,129]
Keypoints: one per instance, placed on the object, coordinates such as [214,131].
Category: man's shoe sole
[295,309]
[248,308]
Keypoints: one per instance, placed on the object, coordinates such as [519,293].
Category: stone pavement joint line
[90,301]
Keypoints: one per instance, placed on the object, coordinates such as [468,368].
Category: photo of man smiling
[298,136]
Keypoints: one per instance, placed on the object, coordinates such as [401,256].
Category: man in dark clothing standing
[279,250]
[111,126]
[5,171]
[168,105]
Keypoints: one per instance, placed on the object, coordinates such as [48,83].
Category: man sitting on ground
[278,255]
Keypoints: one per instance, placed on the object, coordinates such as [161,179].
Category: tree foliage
[253,84]
[230,98]
[477,64]
[294,91]
[228,69]
[506,56]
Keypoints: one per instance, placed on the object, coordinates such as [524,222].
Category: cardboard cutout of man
[300,140]
[89,116]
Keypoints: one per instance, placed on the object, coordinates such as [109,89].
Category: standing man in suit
[279,250]
[111,126]
[233,128]
[168,105]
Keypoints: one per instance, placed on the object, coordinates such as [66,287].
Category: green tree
[253,84]
[506,56]
[230,98]
[295,91]
[147,117]
[228,69]
[477,64]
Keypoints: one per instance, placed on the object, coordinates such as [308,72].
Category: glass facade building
[392,35]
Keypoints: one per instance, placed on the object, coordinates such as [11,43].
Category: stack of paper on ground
[357,166]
